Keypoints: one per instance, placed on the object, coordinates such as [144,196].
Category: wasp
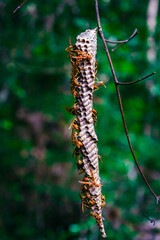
[76,54]
[90,180]
[93,180]
[96,216]
[70,49]
[72,110]
[74,92]
[100,157]
[73,85]
[103,198]
[96,67]
[73,82]
[82,203]
[74,123]
[98,84]
[94,115]
[84,188]
[86,181]
[76,152]
[81,56]
[76,140]
[91,202]
[94,112]
[103,204]
[80,166]
[87,201]
[88,195]
[103,201]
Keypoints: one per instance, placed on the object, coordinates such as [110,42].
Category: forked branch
[152,220]
[119,98]
[121,43]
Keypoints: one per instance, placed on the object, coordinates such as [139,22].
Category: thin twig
[19,6]
[152,220]
[130,83]
[119,99]
[124,41]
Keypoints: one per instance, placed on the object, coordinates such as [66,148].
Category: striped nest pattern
[84,138]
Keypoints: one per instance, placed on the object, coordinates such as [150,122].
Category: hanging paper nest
[84,138]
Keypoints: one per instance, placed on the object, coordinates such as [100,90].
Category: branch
[119,100]
[152,220]
[130,83]
[124,41]
[19,6]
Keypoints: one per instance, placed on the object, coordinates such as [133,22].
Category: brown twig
[19,6]
[124,41]
[119,100]
[153,220]
[130,83]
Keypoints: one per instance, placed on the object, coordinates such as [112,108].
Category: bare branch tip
[136,31]
[16,9]
[157,199]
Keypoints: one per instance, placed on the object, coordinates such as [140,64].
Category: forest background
[39,189]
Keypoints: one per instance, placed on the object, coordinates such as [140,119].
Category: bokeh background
[39,189]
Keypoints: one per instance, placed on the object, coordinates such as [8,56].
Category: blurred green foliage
[39,186]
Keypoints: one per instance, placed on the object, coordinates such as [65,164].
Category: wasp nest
[84,138]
